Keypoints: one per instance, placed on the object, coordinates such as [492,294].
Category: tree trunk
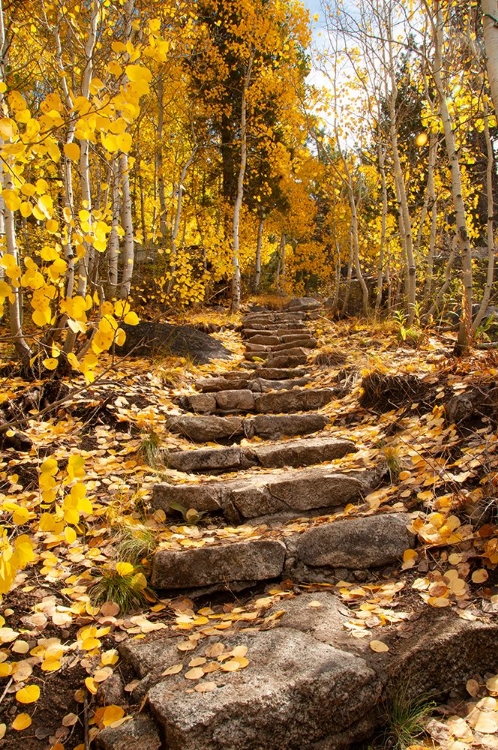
[7,222]
[489,10]
[236,278]
[259,244]
[465,330]
[490,168]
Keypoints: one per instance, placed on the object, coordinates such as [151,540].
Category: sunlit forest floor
[428,419]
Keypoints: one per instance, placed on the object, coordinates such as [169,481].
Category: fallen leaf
[205,687]
[378,646]
[22,721]
[194,674]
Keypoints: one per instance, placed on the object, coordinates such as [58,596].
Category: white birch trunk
[236,278]
[465,330]
[259,245]
[489,10]
[7,224]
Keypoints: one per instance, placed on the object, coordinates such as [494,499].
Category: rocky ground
[321,529]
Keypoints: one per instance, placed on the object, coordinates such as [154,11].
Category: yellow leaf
[112,713]
[69,534]
[72,151]
[11,199]
[20,516]
[90,685]
[90,643]
[378,646]
[50,665]
[22,721]
[51,363]
[124,142]
[174,669]
[194,674]
[28,694]
[479,576]
[205,687]
[124,568]
[131,319]
[136,73]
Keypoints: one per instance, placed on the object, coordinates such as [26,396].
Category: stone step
[295,491]
[304,343]
[307,684]
[280,360]
[206,429]
[304,452]
[245,400]
[264,318]
[280,373]
[274,330]
[353,543]
[257,385]
[284,361]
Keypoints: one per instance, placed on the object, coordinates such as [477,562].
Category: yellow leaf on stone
[112,713]
[28,694]
[174,669]
[205,687]
[194,674]
[22,721]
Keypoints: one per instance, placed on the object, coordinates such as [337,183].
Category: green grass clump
[135,543]
[121,584]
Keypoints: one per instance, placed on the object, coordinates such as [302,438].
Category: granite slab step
[292,453]
[245,400]
[274,330]
[280,373]
[252,560]
[320,489]
[256,384]
[294,354]
[354,543]
[285,361]
[212,428]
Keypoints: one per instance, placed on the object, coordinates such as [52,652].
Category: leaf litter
[447,478]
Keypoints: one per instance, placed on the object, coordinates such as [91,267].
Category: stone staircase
[308,686]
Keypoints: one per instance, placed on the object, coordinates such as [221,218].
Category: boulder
[356,543]
[140,733]
[164,339]
[250,560]
[296,693]
[302,304]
